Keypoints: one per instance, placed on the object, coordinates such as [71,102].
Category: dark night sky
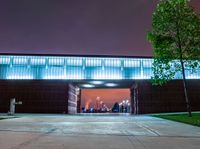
[110,27]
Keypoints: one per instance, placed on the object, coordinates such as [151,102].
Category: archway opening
[105,100]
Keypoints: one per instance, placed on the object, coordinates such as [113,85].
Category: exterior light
[88,85]
[97,82]
[110,84]
[20,77]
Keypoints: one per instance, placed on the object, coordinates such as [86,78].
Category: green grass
[183,118]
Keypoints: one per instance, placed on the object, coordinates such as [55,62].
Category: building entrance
[105,100]
[100,96]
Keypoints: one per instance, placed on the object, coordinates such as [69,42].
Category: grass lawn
[183,118]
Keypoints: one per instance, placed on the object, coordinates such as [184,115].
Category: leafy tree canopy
[175,38]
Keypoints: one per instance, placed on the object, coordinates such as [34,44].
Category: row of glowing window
[94,76]
[71,73]
[75,75]
[57,73]
[77,61]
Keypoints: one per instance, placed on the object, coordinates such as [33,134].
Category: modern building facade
[78,68]
[52,83]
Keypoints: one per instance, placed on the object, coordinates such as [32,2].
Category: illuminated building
[78,68]
[72,71]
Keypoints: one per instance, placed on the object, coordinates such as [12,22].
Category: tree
[175,38]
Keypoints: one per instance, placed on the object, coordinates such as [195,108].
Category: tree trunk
[188,103]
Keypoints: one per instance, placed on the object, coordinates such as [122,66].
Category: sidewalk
[36,131]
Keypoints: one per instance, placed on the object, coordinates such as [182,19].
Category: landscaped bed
[183,118]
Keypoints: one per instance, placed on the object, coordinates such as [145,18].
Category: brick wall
[38,96]
[166,98]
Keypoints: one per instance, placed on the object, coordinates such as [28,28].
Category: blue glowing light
[19,77]
[4,60]
[110,84]
[88,85]
[97,82]
[37,61]
[79,68]
[60,77]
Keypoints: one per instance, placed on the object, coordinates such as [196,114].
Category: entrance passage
[105,100]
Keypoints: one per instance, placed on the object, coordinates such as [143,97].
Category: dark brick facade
[166,98]
[57,96]
[38,96]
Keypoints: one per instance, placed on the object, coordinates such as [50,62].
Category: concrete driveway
[96,132]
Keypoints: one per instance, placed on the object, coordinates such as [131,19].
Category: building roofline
[75,55]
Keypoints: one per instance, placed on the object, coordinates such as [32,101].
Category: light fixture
[97,82]
[88,85]
[18,77]
[110,84]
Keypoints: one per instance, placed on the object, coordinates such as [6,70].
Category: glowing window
[38,61]
[113,62]
[131,63]
[147,63]
[56,61]
[92,62]
[74,61]
[20,60]
[193,76]
[4,60]
[52,77]
[106,74]
[75,76]
[19,77]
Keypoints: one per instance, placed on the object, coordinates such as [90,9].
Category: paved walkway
[96,132]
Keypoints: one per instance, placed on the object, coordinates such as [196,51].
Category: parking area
[35,131]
